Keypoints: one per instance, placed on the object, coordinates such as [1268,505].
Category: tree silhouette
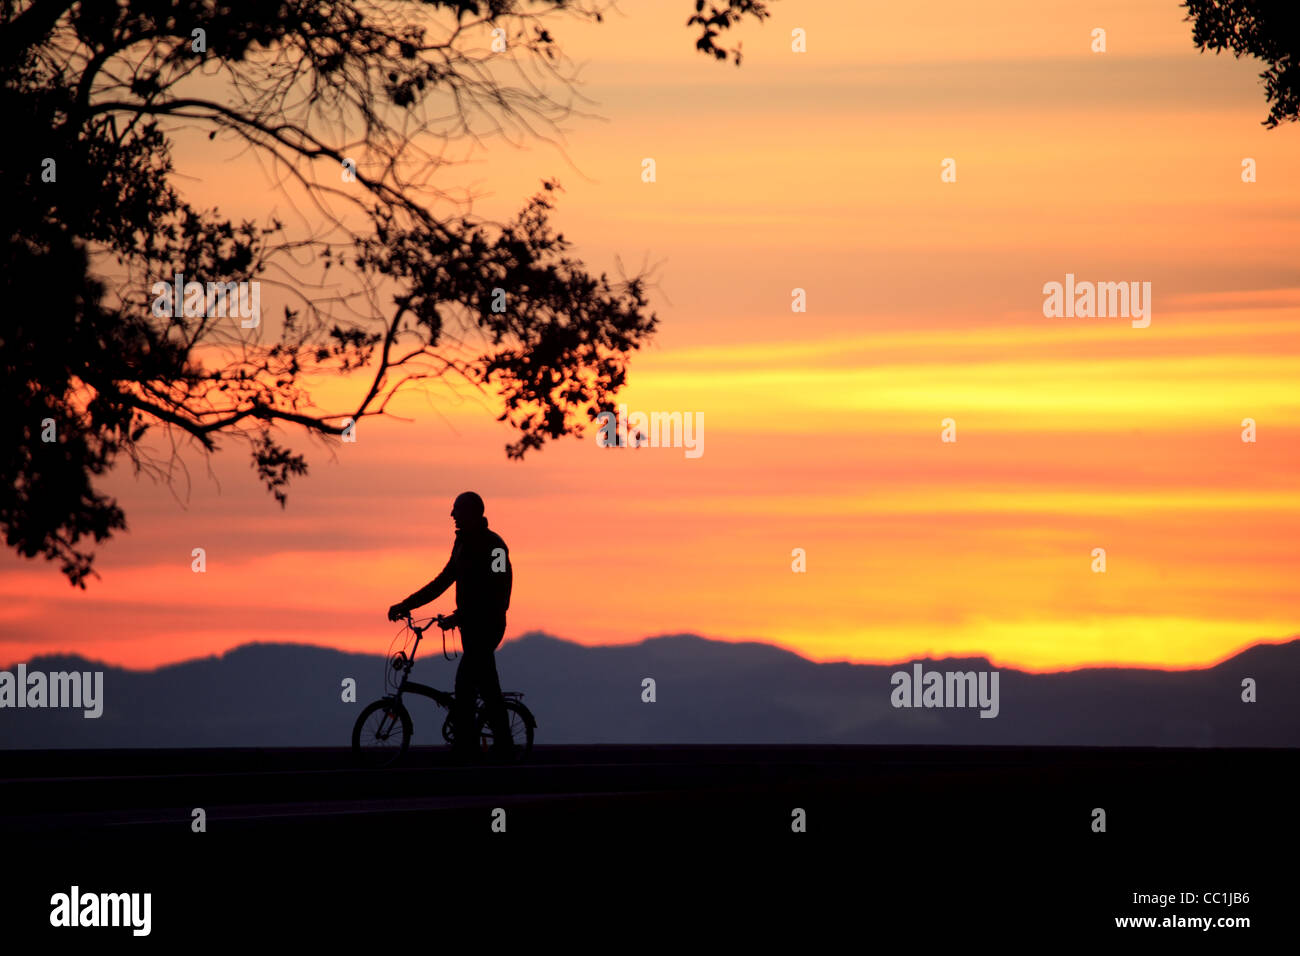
[1266,29]
[718,18]
[353,107]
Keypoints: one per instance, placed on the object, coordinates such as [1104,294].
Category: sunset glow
[822,429]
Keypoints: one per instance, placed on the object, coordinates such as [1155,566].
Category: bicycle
[381,735]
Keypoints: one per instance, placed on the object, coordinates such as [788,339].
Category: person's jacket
[482,593]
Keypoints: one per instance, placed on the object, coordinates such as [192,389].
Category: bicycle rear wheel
[521,724]
[382,734]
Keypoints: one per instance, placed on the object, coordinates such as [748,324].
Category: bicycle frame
[440,697]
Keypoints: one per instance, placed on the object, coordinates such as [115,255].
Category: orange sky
[822,429]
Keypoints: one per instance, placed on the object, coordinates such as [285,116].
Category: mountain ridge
[266,693]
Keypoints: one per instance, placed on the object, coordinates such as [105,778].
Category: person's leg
[462,713]
[480,641]
[495,704]
[490,688]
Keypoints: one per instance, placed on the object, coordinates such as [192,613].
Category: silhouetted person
[480,567]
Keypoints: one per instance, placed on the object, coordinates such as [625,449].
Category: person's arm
[431,591]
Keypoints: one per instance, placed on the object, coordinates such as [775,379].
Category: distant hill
[707,691]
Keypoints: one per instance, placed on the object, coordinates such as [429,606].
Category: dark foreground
[613,845]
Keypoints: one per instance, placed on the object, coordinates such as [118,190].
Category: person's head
[467,510]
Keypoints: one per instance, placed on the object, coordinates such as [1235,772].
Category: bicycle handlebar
[419,631]
[437,619]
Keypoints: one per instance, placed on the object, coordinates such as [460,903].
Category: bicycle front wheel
[382,734]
